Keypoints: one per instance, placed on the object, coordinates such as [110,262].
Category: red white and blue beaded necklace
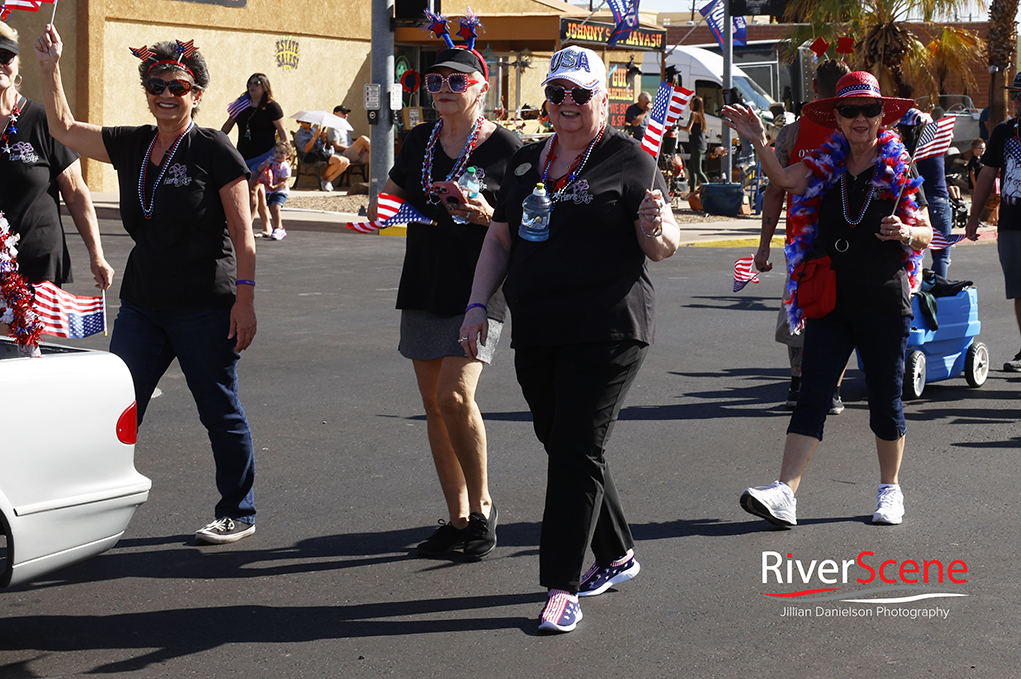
[147,211]
[10,129]
[560,186]
[459,166]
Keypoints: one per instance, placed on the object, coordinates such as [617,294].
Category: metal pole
[728,82]
[382,134]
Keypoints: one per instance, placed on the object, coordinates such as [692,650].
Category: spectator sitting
[311,147]
[356,151]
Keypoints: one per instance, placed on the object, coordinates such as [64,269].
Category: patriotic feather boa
[827,164]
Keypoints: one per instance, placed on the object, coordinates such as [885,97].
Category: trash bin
[722,199]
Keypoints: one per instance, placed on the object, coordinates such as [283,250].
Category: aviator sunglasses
[556,93]
[457,82]
[851,111]
[178,88]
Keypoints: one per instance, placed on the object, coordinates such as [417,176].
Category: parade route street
[329,585]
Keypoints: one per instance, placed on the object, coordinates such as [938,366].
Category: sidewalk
[727,232]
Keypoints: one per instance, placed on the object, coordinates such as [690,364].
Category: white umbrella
[320,118]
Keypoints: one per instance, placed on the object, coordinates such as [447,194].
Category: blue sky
[685,5]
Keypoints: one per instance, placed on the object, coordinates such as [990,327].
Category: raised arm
[85,138]
[744,121]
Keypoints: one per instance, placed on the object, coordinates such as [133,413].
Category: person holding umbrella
[312,145]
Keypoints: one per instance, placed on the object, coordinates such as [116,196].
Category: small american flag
[391,211]
[239,105]
[744,273]
[65,315]
[941,242]
[666,110]
[26,5]
[935,138]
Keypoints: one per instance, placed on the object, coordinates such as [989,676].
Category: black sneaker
[445,540]
[481,537]
[836,405]
[224,530]
[1013,365]
[792,397]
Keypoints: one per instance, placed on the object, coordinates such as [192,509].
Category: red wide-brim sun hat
[859,84]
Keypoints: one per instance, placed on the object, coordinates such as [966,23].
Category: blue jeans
[942,221]
[148,341]
[881,341]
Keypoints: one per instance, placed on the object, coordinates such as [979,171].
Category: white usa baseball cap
[579,65]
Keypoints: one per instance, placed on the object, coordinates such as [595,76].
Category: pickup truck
[964,113]
[68,484]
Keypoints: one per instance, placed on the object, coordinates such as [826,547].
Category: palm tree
[1000,47]
[884,43]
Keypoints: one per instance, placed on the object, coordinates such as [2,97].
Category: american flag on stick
[391,211]
[744,273]
[26,5]
[239,105]
[941,242]
[935,138]
[666,110]
[65,315]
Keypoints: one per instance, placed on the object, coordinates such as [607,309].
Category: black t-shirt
[183,257]
[439,263]
[1004,153]
[29,196]
[256,131]
[632,112]
[975,166]
[870,272]
[588,282]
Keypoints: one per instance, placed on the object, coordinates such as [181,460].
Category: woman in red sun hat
[856,202]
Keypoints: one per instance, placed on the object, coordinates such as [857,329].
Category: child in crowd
[274,174]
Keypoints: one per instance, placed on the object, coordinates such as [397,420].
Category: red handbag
[817,287]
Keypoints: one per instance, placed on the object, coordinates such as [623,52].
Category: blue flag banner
[625,13]
[712,12]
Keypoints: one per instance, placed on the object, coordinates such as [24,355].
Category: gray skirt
[425,336]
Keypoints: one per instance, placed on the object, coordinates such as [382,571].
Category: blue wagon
[934,355]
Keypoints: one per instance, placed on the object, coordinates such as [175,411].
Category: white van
[702,71]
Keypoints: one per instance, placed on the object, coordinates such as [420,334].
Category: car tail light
[127,425]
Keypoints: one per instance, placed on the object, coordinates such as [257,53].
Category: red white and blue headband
[470,25]
[184,50]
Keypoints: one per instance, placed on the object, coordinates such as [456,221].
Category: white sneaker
[279,234]
[774,503]
[891,506]
[327,186]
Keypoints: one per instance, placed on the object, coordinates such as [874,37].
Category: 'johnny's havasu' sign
[595,34]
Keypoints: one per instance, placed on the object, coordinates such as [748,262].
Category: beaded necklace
[460,166]
[844,202]
[565,182]
[10,129]
[147,211]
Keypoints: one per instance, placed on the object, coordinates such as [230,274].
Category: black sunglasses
[556,93]
[7,57]
[1014,96]
[178,88]
[851,111]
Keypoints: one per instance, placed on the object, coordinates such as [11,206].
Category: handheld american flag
[744,273]
[239,105]
[65,315]
[625,13]
[666,110]
[391,211]
[935,138]
[941,242]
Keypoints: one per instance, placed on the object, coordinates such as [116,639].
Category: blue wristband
[476,305]
[244,282]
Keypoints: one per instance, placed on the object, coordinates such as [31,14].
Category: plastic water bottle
[535,212]
[469,183]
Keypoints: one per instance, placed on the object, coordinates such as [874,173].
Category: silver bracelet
[654,234]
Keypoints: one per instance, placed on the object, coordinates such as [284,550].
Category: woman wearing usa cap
[189,288]
[855,201]
[584,316]
[439,263]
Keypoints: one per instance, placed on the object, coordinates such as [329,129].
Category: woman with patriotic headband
[436,279]
[855,201]
[189,288]
[584,317]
